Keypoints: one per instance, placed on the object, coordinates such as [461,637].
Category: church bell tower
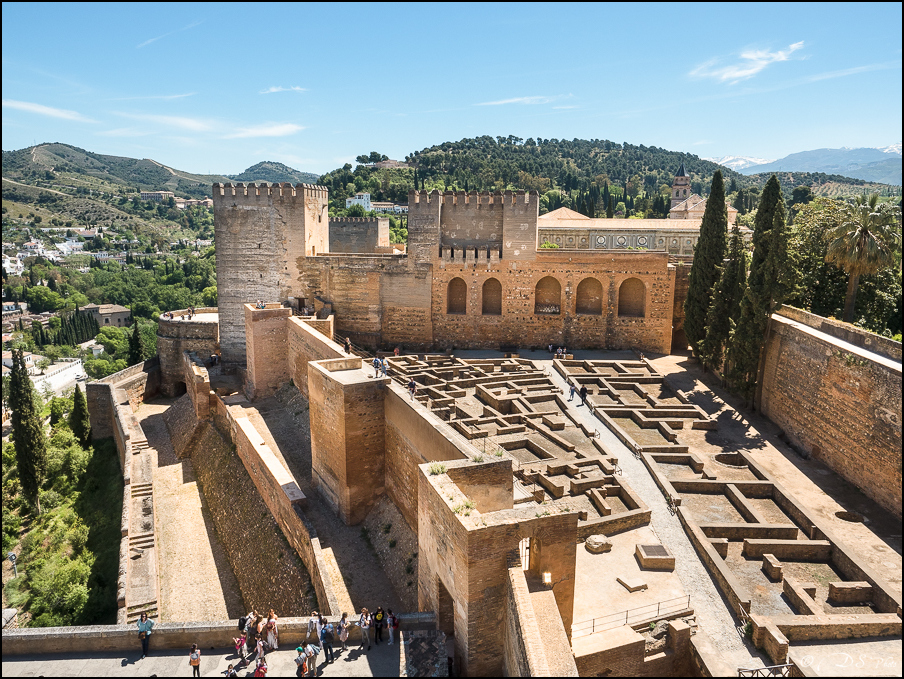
[681,187]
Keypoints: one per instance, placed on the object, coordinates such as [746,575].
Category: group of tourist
[191,312]
[260,304]
[560,352]
[582,392]
[379,366]
[259,634]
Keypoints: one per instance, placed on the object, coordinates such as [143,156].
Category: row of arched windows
[548,297]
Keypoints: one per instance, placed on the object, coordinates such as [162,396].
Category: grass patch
[437,468]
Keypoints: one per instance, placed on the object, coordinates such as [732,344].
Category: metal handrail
[614,620]
[768,671]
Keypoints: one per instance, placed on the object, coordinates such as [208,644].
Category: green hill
[271,171]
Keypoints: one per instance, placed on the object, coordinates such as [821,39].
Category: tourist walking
[383,365]
[412,388]
[343,631]
[312,622]
[376,364]
[145,626]
[348,345]
[584,394]
[379,623]
[326,641]
[261,668]
[194,659]
[301,662]
[365,622]
[572,392]
[311,652]
[392,624]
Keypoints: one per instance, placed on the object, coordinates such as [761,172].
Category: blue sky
[219,87]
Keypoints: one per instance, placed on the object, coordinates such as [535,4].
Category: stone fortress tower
[262,234]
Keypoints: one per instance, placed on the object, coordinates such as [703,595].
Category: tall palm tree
[865,243]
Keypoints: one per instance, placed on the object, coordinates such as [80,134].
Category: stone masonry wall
[358,234]
[306,344]
[177,335]
[266,349]
[840,404]
[268,571]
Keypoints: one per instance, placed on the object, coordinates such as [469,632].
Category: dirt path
[196,580]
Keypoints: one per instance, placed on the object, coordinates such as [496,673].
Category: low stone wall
[621,653]
[140,382]
[182,424]
[524,645]
[180,635]
[845,331]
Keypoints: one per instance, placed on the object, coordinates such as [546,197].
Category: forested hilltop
[581,174]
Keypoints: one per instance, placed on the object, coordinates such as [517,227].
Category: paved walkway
[712,611]
[196,580]
[381,661]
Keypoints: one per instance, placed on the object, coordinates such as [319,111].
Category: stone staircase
[140,542]
[139,446]
[142,489]
[133,613]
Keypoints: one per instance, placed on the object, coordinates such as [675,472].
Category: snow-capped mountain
[738,163]
[894,148]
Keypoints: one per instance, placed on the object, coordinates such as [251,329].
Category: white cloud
[751,62]
[193,124]
[852,71]
[279,88]
[519,100]
[40,109]
[267,130]
[178,30]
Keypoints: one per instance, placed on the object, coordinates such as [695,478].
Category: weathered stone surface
[597,544]
[660,629]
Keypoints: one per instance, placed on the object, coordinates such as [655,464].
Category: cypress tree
[725,308]
[609,210]
[708,255]
[28,432]
[136,345]
[767,286]
[79,422]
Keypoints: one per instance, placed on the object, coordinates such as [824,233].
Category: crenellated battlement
[355,220]
[256,191]
[473,197]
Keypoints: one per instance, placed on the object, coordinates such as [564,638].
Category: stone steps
[139,446]
[142,490]
[134,612]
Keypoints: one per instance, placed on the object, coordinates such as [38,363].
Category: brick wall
[839,403]
[358,234]
[175,336]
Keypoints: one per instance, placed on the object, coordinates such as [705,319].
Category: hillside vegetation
[270,171]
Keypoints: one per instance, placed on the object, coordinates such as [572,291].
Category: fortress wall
[358,234]
[682,274]
[520,326]
[267,570]
[838,402]
[260,232]
[523,650]
[471,224]
[140,383]
[306,343]
[375,299]
[197,384]
[412,438]
[266,349]
[282,499]
[175,336]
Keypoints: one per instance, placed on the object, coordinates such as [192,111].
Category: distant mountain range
[882,165]
[148,175]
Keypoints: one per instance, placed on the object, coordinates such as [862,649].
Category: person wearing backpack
[364,622]
[301,662]
[393,624]
[326,640]
[311,652]
[194,659]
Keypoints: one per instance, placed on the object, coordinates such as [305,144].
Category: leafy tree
[28,432]
[356,210]
[708,255]
[725,308]
[767,286]
[866,242]
[79,421]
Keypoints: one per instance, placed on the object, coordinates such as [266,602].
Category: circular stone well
[733,460]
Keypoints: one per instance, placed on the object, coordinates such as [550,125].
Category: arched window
[632,298]
[548,296]
[589,297]
[492,297]
[457,297]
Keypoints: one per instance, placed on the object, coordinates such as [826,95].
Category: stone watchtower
[681,187]
[261,234]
